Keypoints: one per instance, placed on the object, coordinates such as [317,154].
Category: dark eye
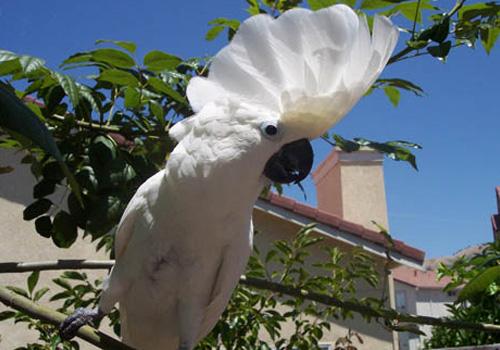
[269,129]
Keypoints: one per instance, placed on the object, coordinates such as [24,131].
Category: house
[351,194]
[420,292]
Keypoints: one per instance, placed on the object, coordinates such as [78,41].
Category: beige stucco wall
[363,194]
[351,185]
[20,242]
[329,194]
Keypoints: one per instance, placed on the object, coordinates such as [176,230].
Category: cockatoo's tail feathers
[304,64]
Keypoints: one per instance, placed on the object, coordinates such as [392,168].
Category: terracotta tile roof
[336,222]
[420,279]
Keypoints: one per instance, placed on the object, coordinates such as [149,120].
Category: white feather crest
[302,65]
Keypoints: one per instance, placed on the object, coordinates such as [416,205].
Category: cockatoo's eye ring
[270,129]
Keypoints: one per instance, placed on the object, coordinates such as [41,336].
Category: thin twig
[87,125]
[458,6]
[415,20]
[55,318]
[387,314]
[426,53]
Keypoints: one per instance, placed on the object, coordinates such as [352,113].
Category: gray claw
[79,318]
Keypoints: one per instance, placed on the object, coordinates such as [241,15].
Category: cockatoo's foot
[79,318]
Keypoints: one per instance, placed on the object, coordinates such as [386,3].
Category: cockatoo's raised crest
[304,64]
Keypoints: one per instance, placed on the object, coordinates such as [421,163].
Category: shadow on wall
[16,186]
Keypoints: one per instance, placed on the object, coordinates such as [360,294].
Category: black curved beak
[292,163]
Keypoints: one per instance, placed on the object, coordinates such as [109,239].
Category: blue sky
[443,207]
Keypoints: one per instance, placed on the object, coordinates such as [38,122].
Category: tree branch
[385,313]
[87,125]
[76,264]
[55,318]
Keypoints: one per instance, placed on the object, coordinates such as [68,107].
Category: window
[400,300]
[325,347]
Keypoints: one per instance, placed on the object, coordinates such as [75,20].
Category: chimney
[351,186]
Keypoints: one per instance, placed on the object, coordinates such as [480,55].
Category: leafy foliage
[397,150]
[249,312]
[478,300]
[112,135]
[96,139]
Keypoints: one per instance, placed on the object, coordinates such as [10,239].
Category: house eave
[340,235]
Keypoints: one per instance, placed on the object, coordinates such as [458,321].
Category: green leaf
[102,152]
[113,57]
[409,9]
[18,291]
[393,94]
[127,45]
[64,231]
[86,94]
[9,67]
[31,64]
[5,315]
[43,226]
[132,98]
[40,293]
[489,37]
[74,275]
[253,7]
[441,51]
[213,33]
[374,4]
[69,86]
[319,4]
[157,110]
[441,31]
[480,283]
[346,145]
[36,209]
[219,24]
[62,283]
[479,10]
[162,87]
[28,64]
[401,84]
[158,61]
[104,215]
[226,22]
[44,188]
[119,77]
[33,280]
[79,57]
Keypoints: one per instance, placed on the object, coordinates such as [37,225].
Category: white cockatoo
[185,237]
